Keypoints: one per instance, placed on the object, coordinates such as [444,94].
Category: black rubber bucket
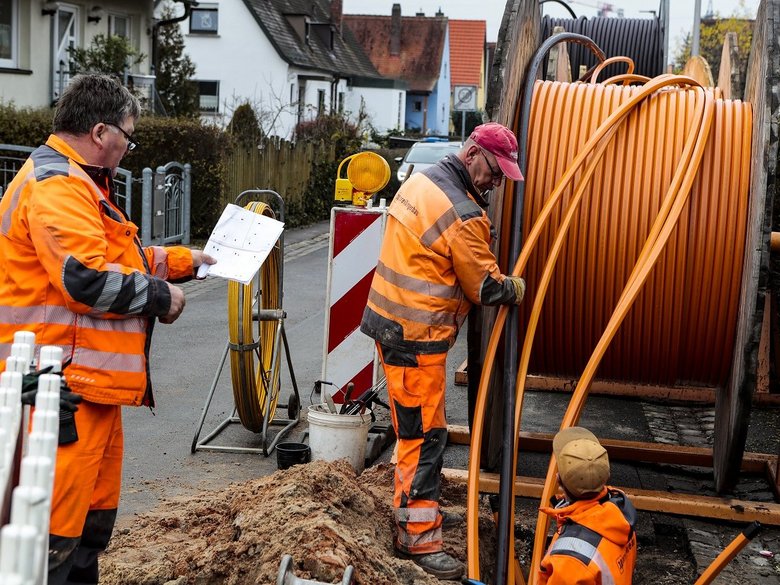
[289,454]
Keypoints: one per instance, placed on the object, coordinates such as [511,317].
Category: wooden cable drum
[682,326]
[254,385]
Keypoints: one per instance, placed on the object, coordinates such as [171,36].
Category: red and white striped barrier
[27,464]
[349,355]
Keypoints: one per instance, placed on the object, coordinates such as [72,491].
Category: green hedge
[185,141]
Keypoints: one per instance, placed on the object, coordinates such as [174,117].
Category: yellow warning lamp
[367,173]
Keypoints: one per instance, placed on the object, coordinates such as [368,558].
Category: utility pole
[696,27]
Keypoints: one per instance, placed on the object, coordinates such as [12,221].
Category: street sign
[464,98]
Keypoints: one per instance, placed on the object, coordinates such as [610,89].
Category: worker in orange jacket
[435,261]
[594,541]
[75,274]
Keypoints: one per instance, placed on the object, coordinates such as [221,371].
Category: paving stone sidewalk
[759,561]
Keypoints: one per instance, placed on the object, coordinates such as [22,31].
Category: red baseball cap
[499,141]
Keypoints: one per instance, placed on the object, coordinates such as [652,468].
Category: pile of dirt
[321,513]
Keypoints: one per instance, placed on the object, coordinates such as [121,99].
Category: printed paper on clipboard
[241,241]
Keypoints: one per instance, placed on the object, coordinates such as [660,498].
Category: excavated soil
[321,513]
[327,518]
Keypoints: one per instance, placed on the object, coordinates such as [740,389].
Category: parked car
[424,154]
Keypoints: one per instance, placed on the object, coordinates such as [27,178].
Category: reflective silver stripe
[49,314]
[141,284]
[59,315]
[131,325]
[160,267]
[410,541]
[440,318]
[111,289]
[434,232]
[442,291]
[109,360]
[141,294]
[577,545]
[6,221]
[416,514]
[587,550]
[5,350]
[606,573]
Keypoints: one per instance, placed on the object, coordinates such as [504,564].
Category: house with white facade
[292,60]
[415,49]
[35,36]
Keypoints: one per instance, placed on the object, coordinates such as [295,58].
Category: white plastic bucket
[337,436]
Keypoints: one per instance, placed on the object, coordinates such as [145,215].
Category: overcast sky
[680,14]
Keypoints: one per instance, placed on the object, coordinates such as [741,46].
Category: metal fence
[165,212]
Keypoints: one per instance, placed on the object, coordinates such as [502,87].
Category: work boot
[450,519]
[439,564]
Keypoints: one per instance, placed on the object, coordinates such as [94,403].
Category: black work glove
[68,400]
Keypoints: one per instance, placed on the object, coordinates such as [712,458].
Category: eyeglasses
[496,174]
[132,143]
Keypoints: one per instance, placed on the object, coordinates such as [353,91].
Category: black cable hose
[562,3]
[506,480]
[640,39]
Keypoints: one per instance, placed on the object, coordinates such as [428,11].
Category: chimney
[336,10]
[439,13]
[395,30]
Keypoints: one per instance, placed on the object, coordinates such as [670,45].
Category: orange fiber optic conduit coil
[680,326]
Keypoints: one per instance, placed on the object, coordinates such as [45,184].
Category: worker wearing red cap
[594,542]
[435,262]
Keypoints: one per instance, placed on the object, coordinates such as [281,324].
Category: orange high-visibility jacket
[434,262]
[73,272]
[594,543]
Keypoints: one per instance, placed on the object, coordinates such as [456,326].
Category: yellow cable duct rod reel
[367,173]
[255,362]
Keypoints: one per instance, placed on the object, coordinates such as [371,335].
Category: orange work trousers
[87,481]
[416,385]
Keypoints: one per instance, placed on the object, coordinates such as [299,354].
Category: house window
[320,102]
[209,96]
[119,26]
[204,19]
[9,29]
[417,106]
[341,102]
[400,106]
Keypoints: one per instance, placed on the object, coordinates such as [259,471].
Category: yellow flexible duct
[606,236]
[254,385]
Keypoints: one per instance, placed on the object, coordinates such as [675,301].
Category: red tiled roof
[467,48]
[422,45]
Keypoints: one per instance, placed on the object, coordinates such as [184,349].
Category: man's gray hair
[91,99]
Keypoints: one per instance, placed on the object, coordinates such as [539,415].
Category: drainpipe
[188,5]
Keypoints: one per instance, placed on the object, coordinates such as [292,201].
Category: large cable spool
[681,329]
[255,384]
[640,39]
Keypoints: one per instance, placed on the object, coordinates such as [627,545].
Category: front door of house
[64,37]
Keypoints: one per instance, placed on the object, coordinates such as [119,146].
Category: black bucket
[288,454]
